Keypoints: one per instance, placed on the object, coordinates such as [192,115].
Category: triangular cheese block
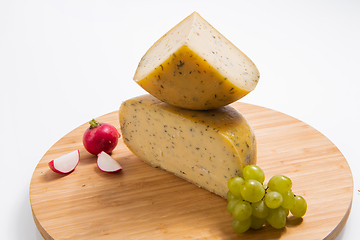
[206,148]
[194,66]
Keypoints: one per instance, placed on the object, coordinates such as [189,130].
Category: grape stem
[266,190]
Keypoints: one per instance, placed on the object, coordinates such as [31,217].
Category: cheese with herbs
[194,66]
[204,147]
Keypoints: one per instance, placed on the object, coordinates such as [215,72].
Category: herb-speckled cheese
[204,147]
[195,67]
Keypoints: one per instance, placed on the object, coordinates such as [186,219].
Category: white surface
[65,62]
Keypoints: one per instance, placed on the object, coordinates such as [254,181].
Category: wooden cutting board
[142,202]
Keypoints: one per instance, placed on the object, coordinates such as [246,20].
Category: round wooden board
[142,202]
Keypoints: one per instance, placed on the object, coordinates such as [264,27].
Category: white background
[65,62]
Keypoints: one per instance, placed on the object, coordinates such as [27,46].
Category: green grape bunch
[253,203]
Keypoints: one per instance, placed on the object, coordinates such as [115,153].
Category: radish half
[107,163]
[66,163]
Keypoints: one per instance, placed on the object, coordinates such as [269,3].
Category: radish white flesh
[66,163]
[107,163]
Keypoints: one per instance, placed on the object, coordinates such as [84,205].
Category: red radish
[100,137]
[66,163]
[107,163]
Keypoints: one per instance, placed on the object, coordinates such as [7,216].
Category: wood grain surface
[142,202]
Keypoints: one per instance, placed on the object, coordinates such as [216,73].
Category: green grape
[242,210]
[252,190]
[241,226]
[259,209]
[230,196]
[277,217]
[257,223]
[287,211]
[253,172]
[231,204]
[273,199]
[288,199]
[300,207]
[235,184]
[280,183]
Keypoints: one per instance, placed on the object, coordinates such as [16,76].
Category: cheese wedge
[204,147]
[194,66]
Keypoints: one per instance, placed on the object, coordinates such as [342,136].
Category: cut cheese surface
[194,66]
[204,147]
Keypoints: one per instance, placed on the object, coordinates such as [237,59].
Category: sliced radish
[107,163]
[66,163]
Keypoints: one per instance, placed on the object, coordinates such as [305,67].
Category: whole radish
[100,137]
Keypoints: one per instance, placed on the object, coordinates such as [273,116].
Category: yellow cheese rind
[203,147]
[194,66]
